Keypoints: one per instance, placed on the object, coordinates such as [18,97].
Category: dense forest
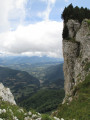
[75,13]
[44,100]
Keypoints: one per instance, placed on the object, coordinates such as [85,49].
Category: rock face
[73,26]
[76,52]
[6,94]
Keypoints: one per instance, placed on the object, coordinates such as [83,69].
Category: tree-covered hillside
[25,88]
[43,101]
[20,82]
[54,76]
[45,69]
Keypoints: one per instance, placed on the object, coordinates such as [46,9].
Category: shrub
[46,117]
[65,32]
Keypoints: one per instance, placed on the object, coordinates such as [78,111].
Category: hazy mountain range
[8,60]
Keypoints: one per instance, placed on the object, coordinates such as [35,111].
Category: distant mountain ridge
[6,60]
[45,69]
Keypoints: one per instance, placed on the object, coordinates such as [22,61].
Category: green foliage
[46,117]
[87,66]
[65,32]
[72,40]
[75,13]
[44,100]
[67,13]
[54,76]
[88,21]
[79,108]
[9,110]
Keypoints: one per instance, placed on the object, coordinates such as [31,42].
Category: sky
[33,27]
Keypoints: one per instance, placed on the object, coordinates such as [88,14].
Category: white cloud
[66,0]
[11,9]
[45,14]
[5,7]
[18,9]
[43,38]
[51,1]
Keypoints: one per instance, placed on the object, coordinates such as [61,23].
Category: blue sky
[33,7]
[33,27]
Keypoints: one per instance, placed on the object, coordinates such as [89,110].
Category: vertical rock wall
[76,52]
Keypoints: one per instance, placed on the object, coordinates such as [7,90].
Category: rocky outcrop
[76,52]
[6,94]
[73,26]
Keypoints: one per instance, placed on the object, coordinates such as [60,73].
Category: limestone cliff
[76,52]
[6,94]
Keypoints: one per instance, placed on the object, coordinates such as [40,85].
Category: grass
[88,21]
[8,107]
[79,108]
[71,39]
[14,111]
[47,117]
[87,66]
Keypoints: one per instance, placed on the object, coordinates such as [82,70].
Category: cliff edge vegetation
[75,13]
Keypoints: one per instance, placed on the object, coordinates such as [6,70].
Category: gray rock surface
[6,94]
[76,56]
[73,26]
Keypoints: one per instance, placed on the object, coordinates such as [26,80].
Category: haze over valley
[31,77]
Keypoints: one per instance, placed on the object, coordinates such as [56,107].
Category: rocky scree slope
[76,52]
